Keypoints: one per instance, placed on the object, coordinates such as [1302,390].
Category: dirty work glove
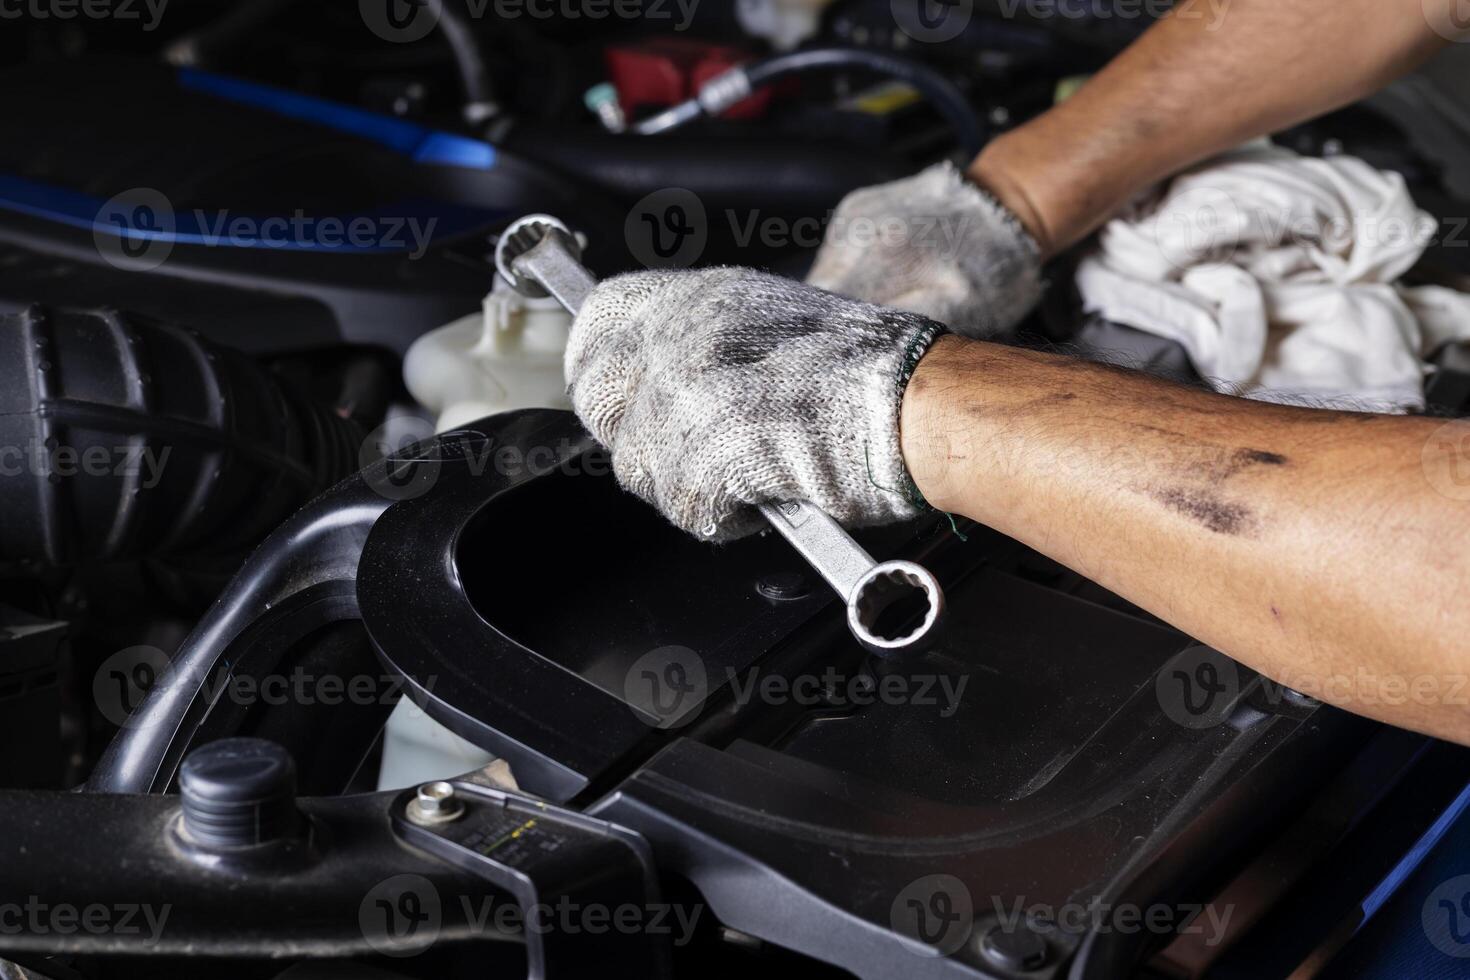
[935,244]
[716,389]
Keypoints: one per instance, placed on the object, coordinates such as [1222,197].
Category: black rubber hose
[301,579]
[469,59]
[940,91]
[946,98]
[123,438]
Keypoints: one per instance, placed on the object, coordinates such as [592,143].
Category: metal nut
[434,804]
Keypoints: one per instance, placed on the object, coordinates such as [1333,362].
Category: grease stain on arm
[1209,509]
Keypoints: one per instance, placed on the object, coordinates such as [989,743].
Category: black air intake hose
[123,438]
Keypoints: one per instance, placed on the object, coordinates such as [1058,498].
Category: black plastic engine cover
[540,590]
[1057,748]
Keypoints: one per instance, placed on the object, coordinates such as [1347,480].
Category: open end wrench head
[896,606]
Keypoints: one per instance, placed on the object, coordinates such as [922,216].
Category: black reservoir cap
[239,792]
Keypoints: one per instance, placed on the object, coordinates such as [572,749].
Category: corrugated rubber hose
[122,438]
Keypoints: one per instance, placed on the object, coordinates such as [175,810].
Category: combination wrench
[891,605]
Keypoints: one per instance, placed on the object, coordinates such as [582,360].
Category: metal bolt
[435,803]
[784,586]
[1017,948]
[434,796]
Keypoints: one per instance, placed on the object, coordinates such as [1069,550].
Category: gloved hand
[933,244]
[716,389]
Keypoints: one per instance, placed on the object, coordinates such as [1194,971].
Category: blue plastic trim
[394,224]
[1410,861]
[419,143]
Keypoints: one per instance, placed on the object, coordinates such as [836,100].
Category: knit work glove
[716,389]
[934,244]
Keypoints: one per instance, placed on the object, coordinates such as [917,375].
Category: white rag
[1278,274]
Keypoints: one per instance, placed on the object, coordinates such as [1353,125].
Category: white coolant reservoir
[508,356]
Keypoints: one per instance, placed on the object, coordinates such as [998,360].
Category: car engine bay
[329,645]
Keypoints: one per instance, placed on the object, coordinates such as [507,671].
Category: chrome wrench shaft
[891,606]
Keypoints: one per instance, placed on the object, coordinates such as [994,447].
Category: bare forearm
[1211,75]
[1310,545]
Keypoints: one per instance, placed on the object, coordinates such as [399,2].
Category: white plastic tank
[506,357]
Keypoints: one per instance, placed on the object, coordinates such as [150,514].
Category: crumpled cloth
[1278,273]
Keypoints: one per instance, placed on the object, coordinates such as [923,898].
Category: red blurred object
[664,72]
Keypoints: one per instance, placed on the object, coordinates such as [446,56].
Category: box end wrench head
[897,606]
[521,237]
[892,606]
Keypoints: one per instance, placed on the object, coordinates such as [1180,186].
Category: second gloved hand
[718,389]
[933,244]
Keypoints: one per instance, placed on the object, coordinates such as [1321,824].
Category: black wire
[459,32]
[940,91]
